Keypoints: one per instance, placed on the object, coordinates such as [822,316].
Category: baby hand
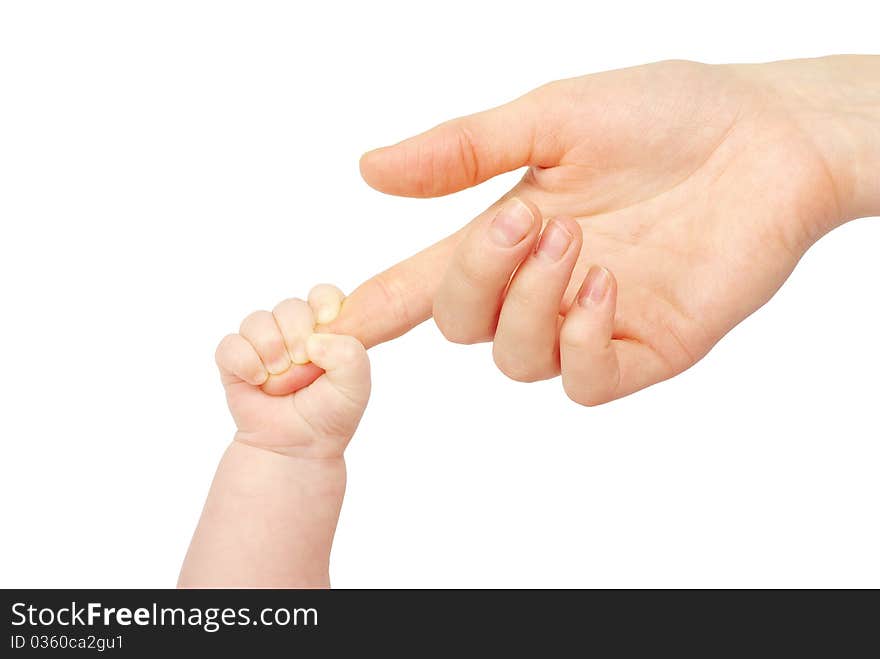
[261,370]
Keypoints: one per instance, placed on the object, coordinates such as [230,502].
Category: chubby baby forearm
[272,509]
[268,521]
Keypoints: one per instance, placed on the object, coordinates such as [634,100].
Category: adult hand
[679,196]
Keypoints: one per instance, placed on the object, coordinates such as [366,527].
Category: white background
[168,167]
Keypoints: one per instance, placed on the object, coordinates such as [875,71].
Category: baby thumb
[345,363]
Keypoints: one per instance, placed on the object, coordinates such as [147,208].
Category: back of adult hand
[661,206]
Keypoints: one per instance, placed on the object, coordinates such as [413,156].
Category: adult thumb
[463,152]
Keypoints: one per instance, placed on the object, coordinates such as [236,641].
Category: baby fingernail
[554,242]
[299,355]
[511,224]
[596,286]
[260,377]
[326,302]
[278,366]
[326,313]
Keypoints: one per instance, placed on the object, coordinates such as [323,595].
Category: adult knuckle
[582,397]
[455,328]
[468,153]
[516,367]
[427,168]
[455,333]
[474,269]
[393,301]
[570,338]
[586,394]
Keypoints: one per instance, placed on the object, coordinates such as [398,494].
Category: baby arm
[272,509]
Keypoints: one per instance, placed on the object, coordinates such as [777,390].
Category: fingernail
[299,355]
[326,300]
[278,366]
[595,288]
[261,376]
[326,314]
[511,224]
[554,242]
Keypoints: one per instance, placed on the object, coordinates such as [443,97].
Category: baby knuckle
[253,319]
[289,304]
[226,346]
[330,290]
[350,349]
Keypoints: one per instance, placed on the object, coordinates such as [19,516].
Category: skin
[273,507]
[680,196]
[694,188]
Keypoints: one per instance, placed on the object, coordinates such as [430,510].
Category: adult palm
[699,187]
